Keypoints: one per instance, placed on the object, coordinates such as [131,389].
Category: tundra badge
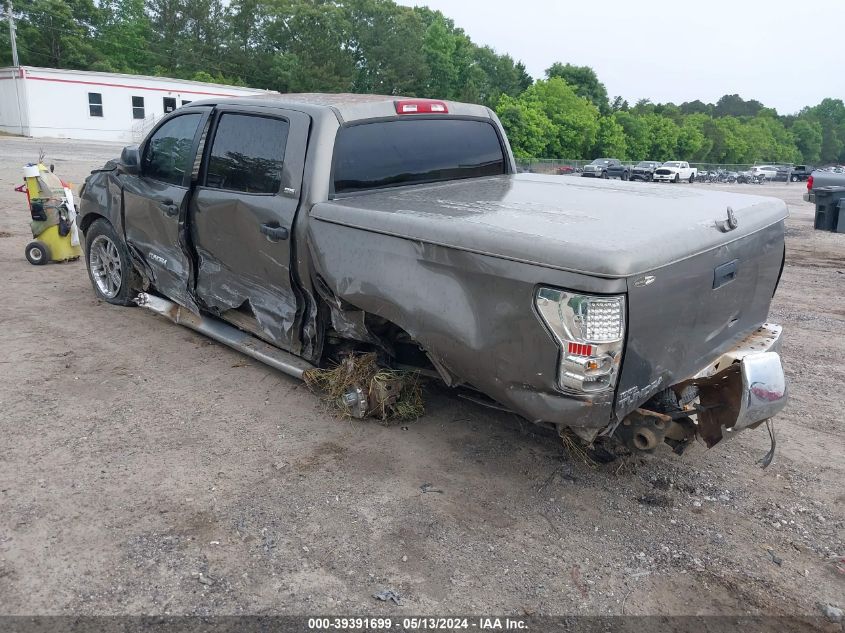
[157,258]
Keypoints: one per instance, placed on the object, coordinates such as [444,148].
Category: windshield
[672,163]
[600,161]
[646,163]
[408,151]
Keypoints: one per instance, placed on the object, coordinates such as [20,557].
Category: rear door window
[407,151]
[167,156]
[247,154]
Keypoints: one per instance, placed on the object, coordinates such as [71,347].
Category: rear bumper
[743,387]
[764,392]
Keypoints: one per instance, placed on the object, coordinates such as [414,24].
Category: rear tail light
[421,106]
[590,331]
[810,182]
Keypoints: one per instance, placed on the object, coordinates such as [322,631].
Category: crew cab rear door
[242,215]
[155,201]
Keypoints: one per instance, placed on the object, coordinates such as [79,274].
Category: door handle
[724,274]
[275,232]
[169,207]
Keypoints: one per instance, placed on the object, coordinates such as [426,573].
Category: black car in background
[800,173]
[644,170]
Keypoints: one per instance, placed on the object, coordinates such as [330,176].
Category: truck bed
[600,228]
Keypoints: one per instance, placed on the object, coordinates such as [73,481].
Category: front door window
[167,157]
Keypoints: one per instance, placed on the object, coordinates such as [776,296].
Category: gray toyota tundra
[301,228]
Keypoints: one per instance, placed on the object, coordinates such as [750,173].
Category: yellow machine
[53,214]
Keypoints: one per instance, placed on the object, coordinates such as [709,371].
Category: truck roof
[346,106]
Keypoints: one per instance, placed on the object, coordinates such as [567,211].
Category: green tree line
[569,115]
[377,46]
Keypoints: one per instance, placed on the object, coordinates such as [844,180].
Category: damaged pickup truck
[304,228]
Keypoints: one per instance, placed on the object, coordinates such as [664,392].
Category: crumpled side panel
[260,302]
[472,313]
[101,197]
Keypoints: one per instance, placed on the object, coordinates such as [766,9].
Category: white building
[92,105]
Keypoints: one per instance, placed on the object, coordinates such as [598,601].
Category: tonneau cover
[603,228]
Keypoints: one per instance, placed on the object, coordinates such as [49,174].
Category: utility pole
[15,62]
[12,34]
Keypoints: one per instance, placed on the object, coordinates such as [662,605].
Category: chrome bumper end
[743,387]
[764,390]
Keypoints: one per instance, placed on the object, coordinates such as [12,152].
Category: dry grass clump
[391,394]
[575,448]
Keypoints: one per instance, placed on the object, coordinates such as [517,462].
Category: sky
[785,53]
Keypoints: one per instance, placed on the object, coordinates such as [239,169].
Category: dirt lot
[145,469]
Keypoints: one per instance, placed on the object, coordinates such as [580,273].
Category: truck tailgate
[684,315]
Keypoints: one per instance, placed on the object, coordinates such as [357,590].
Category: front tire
[604,175]
[109,266]
[692,178]
[677,178]
[795,179]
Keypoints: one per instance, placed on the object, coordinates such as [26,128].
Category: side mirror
[130,160]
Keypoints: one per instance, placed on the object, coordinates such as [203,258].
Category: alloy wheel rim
[104,261]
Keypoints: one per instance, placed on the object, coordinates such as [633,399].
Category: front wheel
[692,178]
[604,175]
[795,179]
[109,266]
[625,176]
[677,177]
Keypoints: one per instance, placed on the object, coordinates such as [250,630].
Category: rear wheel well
[346,328]
[370,332]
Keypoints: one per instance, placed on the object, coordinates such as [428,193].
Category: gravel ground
[147,470]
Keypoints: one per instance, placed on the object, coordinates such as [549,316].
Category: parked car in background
[564,170]
[800,173]
[769,171]
[599,168]
[675,171]
[750,178]
[783,173]
[644,170]
[618,170]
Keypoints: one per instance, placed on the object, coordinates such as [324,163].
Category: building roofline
[127,76]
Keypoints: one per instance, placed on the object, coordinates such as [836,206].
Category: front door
[155,203]
[242,216]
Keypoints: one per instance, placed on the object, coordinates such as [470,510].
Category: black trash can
[827,208]
[840,225]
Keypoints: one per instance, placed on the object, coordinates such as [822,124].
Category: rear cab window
[396,152]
